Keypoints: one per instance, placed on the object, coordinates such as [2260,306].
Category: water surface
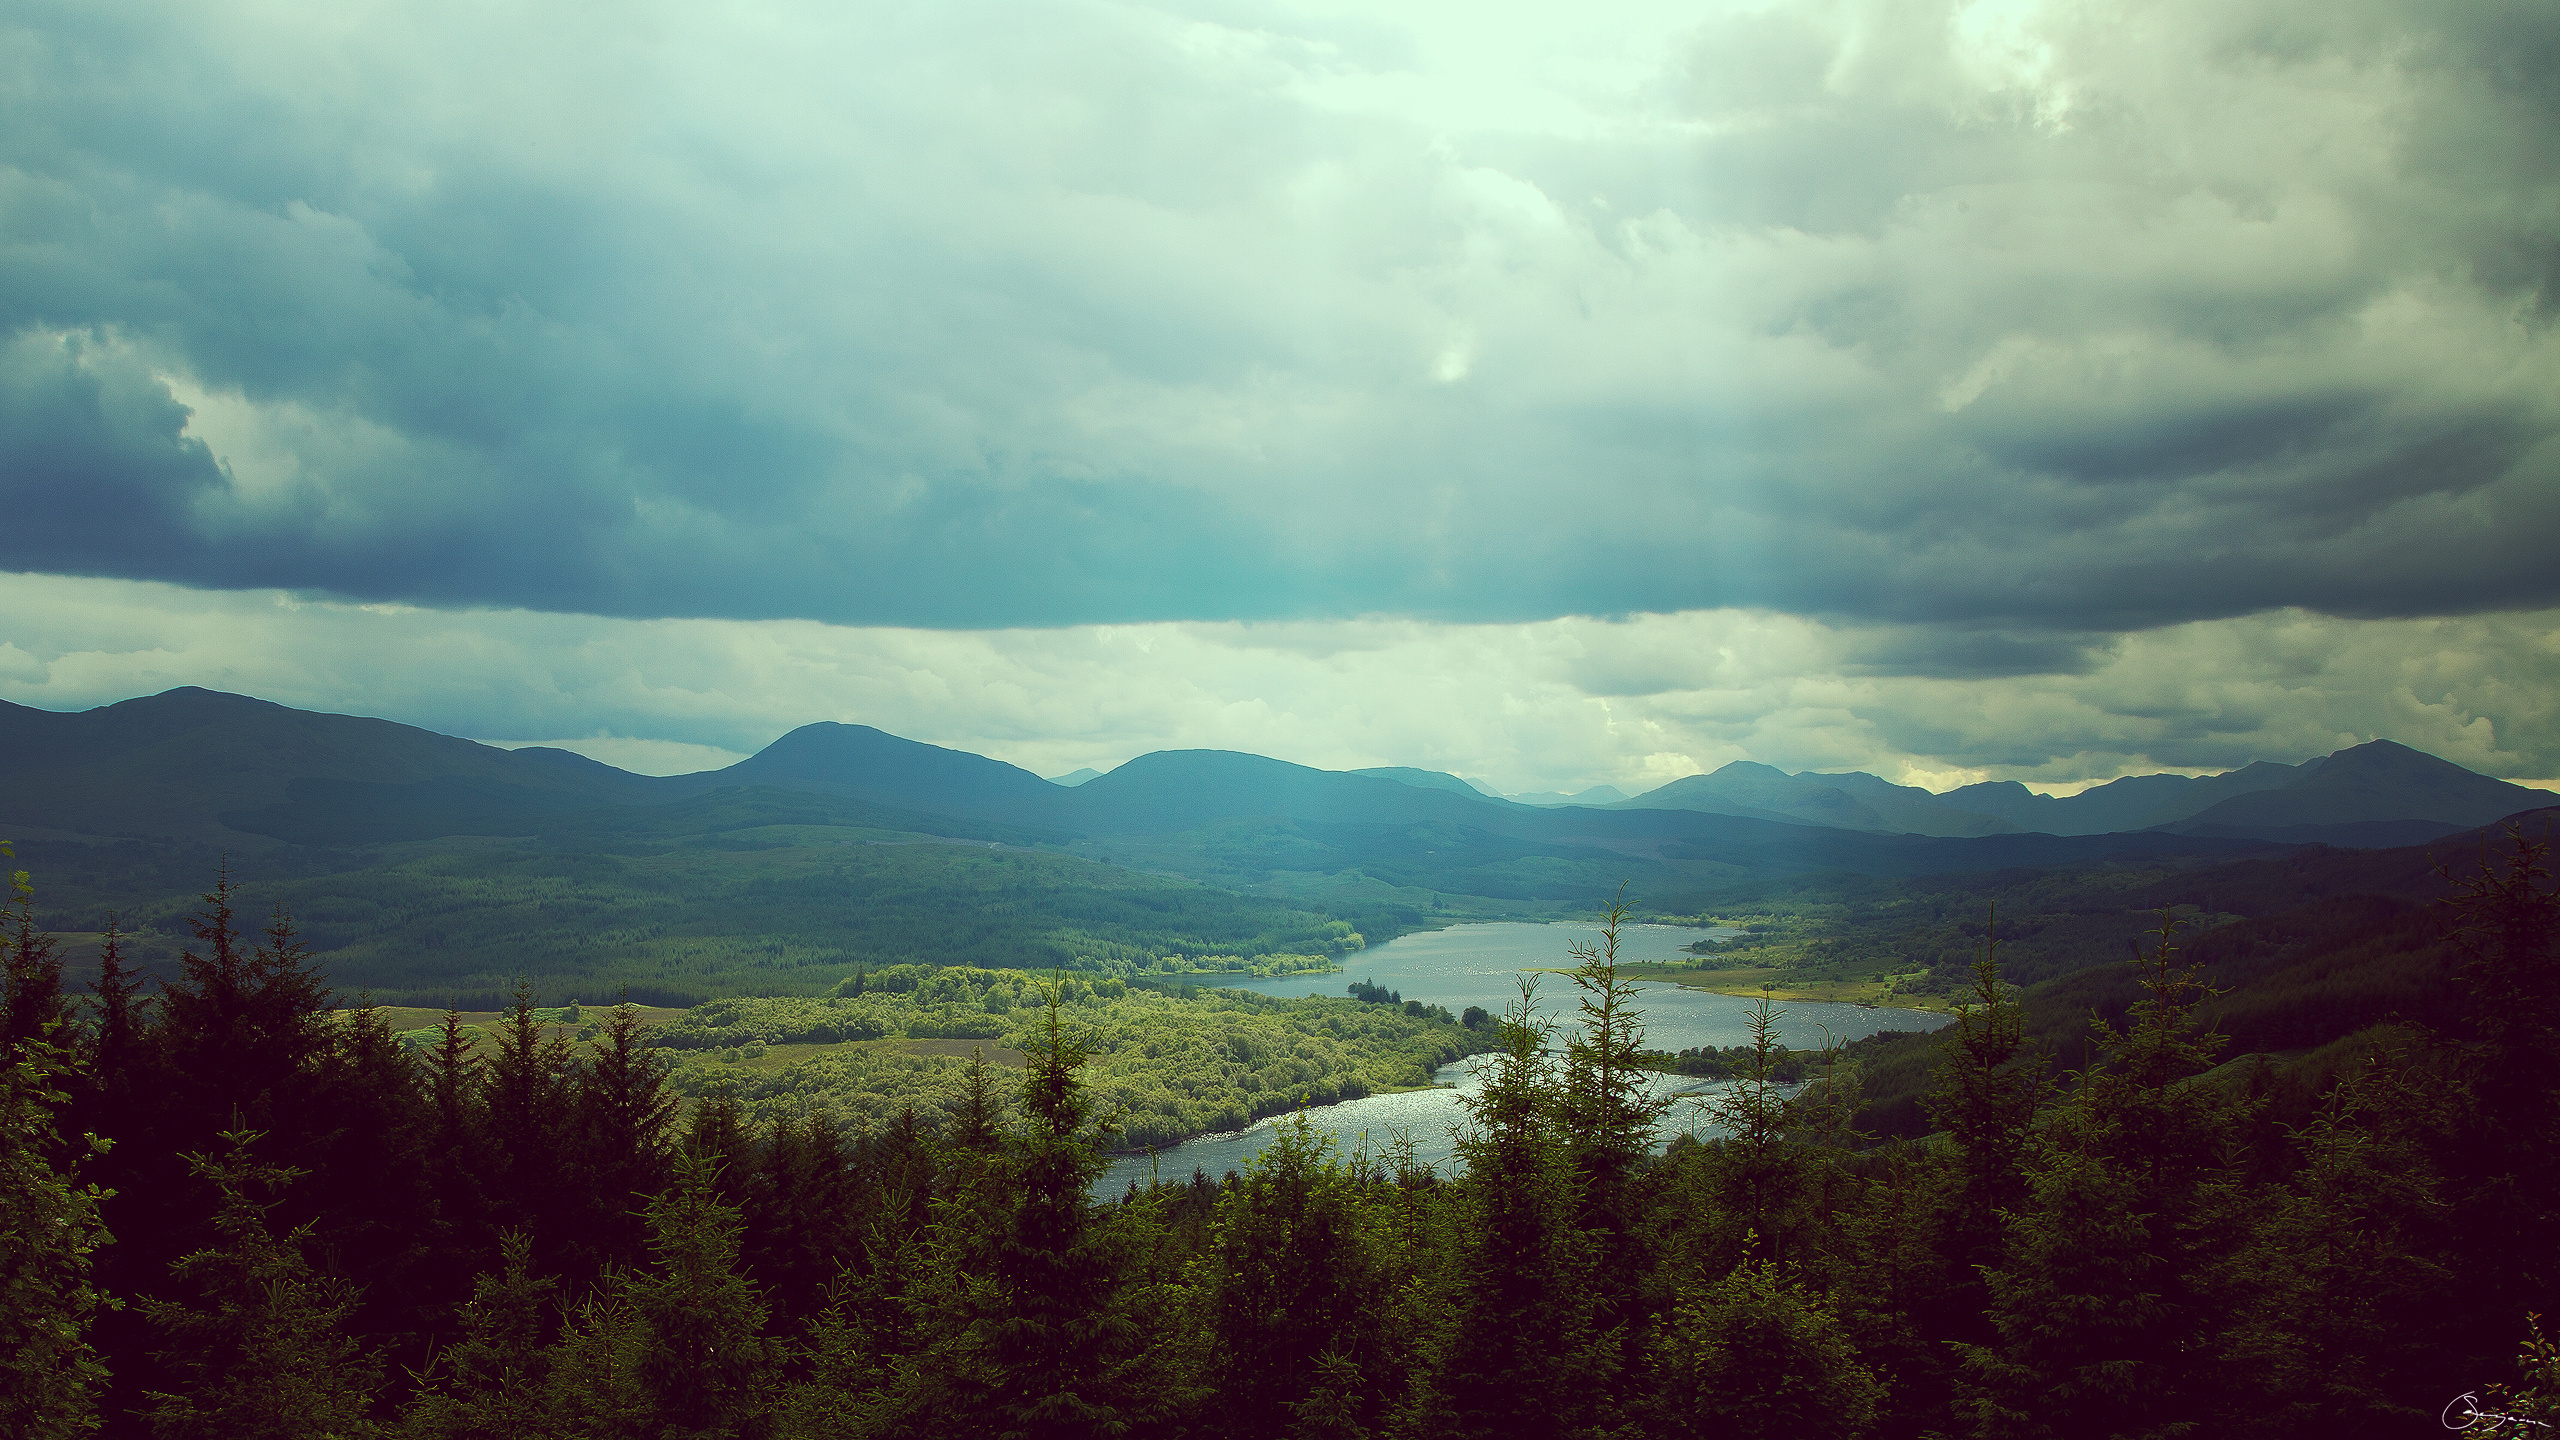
[1482,965]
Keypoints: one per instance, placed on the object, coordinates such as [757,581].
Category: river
[1481,965]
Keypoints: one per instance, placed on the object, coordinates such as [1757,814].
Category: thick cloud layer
[1553,705]
[2038,321]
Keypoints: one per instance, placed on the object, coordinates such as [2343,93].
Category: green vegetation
[1161,1067]
[2119,1231]
[761,911]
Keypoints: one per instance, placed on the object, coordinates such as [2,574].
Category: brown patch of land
[1778,983]
[480,1027]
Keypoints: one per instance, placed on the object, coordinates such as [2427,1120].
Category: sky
[1552,395]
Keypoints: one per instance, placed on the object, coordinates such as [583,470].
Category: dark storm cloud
[1108,314]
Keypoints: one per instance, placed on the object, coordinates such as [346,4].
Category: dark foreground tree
[491,1384]
[49,1231]
[2116,1265]
[257,1350]
[1514,1355]
[1292,1280]
[1755,1356]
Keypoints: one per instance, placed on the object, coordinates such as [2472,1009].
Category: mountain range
[424,865]
[2376,794]
[200,765]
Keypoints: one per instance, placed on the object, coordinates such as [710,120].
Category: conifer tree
[718,1132]
[452,1150]
[707,1363]
[50,1229]
[241,1030]
[879,1309]
[626,1117]
[1609,1112]
[977,1122]
[2339,1263]
[1026,1330]
[372,1191]
[1609,1109]
[596,1390]
[453,1079]
[115,1053]
[1059,1347]
[1757,1184]
[1296,1289]
[1757,1356]
[33,1009]
[1517,1337]
[525,1124]
[1989,1090]
[801,1221]
[2502,1161]
[1988,1093]
[259,1347]
[493,1383]
[2109,1275]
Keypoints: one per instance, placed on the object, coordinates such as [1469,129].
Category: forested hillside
[739,894]
[2305,958]
[324,1232]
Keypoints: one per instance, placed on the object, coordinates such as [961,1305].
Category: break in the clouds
[1549,705]
[2044,321]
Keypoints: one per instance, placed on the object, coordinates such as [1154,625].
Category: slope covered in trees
[330,1235]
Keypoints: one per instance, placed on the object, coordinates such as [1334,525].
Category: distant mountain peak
[1427,779]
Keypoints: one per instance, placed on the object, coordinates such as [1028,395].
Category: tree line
[230,1213]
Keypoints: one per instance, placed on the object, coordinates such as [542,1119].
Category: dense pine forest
[231,1212]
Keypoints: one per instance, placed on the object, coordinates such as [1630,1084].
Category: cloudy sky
[1552,394]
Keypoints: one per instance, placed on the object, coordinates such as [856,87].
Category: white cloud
[2083,315]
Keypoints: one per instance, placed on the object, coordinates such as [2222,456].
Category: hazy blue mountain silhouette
[2135,802]
[1595,795]
[183,763]
[2381,783]
[1427,779]
[204,766]
[1851,801]
[869,764]
[1170,791]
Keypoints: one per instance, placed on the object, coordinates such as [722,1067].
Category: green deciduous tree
[49,1231]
